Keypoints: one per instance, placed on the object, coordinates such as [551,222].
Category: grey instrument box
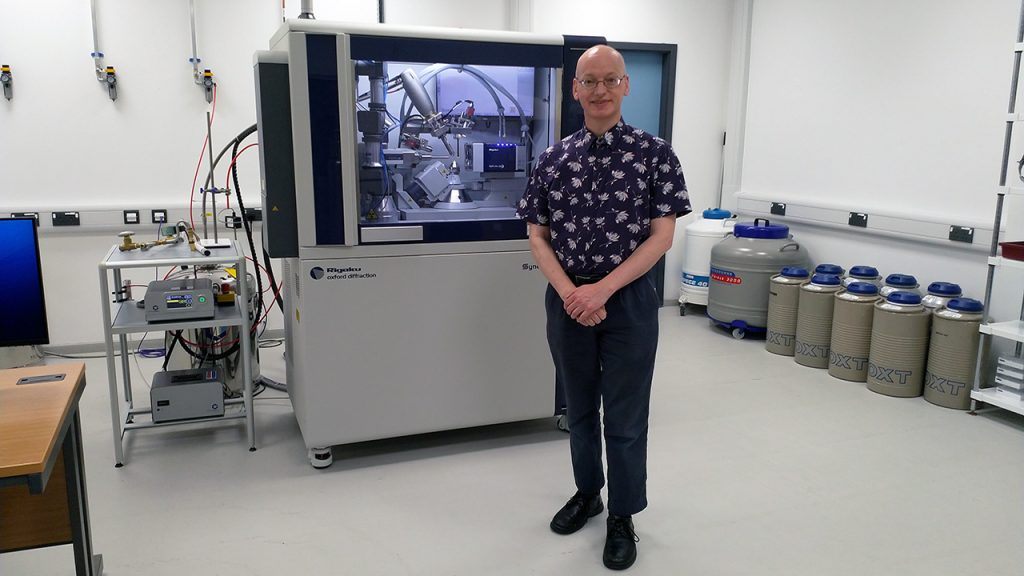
[181,299]
[186,394]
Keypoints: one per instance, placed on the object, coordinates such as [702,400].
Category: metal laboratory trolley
[122,317]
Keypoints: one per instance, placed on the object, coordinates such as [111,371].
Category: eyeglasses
[589,84]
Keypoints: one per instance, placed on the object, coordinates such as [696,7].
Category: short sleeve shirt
[598,194]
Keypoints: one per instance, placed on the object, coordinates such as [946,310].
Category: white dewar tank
[698,240]
[861,273]
[814,320]
[742,266]
[898,282]
[851,332]
[952,353]
[783,303]
[940,294]
[899,344]
[833,269]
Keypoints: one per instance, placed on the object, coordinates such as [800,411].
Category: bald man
[601,207]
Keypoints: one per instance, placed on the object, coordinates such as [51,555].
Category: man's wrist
[607,287]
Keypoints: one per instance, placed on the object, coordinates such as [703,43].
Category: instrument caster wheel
[321,457]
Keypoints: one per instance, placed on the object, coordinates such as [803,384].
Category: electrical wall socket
[33,215]
[961,234]
[858,219]
[66,219]
[159,216]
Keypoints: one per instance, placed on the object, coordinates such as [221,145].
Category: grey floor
[757,466]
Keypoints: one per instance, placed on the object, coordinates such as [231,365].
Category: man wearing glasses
[601,207]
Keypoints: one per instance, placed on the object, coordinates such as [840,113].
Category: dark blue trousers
[610,364]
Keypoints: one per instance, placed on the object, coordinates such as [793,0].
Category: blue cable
[149,352]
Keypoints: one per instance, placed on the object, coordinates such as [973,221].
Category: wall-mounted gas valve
[110,78]
[208,84]
[6,80]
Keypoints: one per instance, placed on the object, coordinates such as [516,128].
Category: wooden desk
[43,499]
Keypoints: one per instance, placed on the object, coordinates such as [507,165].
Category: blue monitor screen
[23,311]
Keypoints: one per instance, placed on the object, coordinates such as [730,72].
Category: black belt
[581,279]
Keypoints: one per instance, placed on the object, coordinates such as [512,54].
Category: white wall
[65,142]
[66,145]
[702,31]
[897,106]
[900,104]
[487,14]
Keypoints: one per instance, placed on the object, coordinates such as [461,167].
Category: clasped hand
[586,303]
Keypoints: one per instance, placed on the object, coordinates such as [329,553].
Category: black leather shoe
[620,547]
[580,508]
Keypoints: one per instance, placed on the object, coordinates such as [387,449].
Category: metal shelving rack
[122,317]
[1012,330]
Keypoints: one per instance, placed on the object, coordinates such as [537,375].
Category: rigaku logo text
[335,273]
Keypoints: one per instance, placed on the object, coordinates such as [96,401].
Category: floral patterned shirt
[599,194]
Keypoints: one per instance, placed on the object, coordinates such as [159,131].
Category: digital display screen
[178,301]
[499,158]
[23,320]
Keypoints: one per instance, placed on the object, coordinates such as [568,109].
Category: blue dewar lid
[766,231]
[829,269]
[903,297]
[826,280]
[901,280]
[965,305]
[795,272]
[865,288]
[716,214]
[864,271]
[944,289]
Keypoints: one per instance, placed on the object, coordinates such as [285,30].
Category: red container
[1013,250]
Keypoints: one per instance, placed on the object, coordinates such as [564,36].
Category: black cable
[206,351]
[167,357]
[248,236]
[401,129]
[452,109]
[209,177]
[233,145]
[205,357]
[273,281]
[247,224]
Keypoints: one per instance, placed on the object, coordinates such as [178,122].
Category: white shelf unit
[1012,190]
[1001,398]
[984,391]
[1003,262]
[124,317]
[1012,330]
